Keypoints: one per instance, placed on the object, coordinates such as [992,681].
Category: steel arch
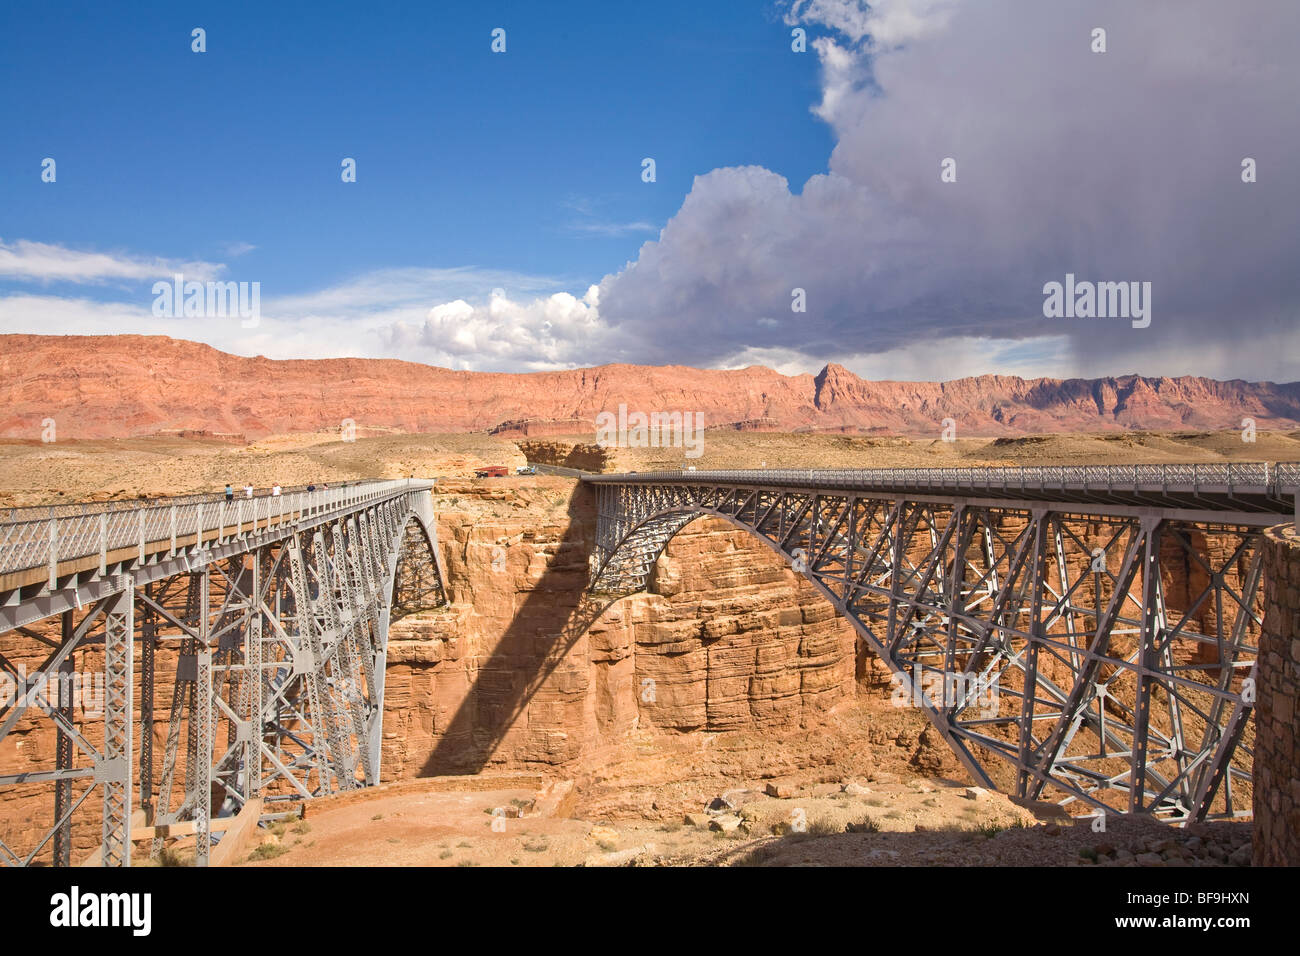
[1031,633]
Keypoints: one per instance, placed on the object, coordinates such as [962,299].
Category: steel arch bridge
[1035,615]
[273,613]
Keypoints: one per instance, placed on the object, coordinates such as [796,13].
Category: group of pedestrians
[248,491]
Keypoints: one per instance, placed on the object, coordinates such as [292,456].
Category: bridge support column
[253,684]
[148,644]
[113,768]
[63,753]
[376,742]
[203,757]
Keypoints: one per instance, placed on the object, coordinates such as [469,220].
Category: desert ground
[32,473]
[885,821]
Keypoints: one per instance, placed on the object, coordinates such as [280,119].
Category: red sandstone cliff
[130,385]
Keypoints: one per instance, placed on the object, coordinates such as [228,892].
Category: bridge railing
[73,508]
[1283,477]
[36,542]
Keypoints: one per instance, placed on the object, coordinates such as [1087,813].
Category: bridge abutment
[1277,756]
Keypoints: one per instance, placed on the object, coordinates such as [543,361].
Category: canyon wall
[525,670]
[728,637]
[120,386]
[1277,756]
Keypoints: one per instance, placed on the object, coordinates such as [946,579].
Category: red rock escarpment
[121,386]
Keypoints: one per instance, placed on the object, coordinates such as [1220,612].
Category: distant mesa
[535,427]
[202,434]
[748,425]
[119,386]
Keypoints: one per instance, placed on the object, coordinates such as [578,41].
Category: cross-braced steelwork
[271,615]
[1080,634]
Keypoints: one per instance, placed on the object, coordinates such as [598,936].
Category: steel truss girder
[284,642]
[1103,695]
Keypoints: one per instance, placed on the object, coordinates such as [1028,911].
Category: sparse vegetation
[758,856]
[171,857]
[866,825]
[993,828]
[268,851]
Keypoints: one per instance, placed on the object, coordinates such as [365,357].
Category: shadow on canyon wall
[529,653]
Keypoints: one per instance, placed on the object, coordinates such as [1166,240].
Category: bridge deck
[41,547]
[1255,493]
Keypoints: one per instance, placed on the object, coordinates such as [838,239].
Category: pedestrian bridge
[273,613]
[1074,633]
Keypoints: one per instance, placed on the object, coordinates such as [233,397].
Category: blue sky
[500,221]
[527,161]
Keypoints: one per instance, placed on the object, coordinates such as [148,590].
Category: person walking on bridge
[275,490]
[248,491]
[230,493]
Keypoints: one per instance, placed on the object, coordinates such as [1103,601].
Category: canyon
[729,674]
[523,673]
[122,386]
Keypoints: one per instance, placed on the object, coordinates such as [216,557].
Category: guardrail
[1283,477]
[68,509]
[33,541]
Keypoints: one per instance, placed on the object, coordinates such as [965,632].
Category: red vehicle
[491,471]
